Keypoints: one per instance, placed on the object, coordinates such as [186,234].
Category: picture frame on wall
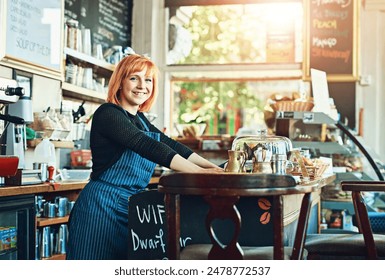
[31,36]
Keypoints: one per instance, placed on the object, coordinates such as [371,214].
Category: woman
[125,150]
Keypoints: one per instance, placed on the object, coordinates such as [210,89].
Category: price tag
[308,117]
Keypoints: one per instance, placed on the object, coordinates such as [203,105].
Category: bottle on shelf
[45,153]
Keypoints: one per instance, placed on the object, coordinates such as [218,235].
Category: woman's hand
[178,163]
[213,170]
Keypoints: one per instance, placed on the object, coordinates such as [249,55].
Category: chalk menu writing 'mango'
[331,26]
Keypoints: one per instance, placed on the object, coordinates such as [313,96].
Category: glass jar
[262,148]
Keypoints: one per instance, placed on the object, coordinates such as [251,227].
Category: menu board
[147,224]
[109,21]
[33,34]
[331,32]
[148,229]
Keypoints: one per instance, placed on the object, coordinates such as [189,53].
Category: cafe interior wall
[151,15]
[148,37]
[370,92]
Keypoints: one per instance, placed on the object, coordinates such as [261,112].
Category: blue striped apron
[98,225]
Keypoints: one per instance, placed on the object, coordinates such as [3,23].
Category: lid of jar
[250,143]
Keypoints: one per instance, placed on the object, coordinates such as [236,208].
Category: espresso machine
[16,113]
[10,93]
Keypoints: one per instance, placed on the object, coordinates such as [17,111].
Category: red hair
[127,66]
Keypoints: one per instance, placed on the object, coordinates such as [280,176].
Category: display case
[311,131]
[17,227]
[323,135]
[20,208]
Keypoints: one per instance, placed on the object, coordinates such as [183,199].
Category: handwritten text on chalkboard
[153,215]
[108,20]
[332,36]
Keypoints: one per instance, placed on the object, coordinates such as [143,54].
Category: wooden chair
[362,245]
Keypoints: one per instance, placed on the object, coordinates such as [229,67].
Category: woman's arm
[202,162]
[180,164]
[185,160]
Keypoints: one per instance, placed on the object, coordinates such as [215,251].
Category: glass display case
[17,227]
[325,136]
[352,161]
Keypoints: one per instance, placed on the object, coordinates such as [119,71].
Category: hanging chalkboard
[331,44]
[148,229]
[109,21]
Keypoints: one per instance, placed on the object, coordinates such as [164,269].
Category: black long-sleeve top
[114,130]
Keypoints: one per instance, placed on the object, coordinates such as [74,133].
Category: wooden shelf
[42,222]
[77,92]
[58,144]
[81,57]
[99,67]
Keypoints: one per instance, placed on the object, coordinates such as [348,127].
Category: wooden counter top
[47,188]
[40,188]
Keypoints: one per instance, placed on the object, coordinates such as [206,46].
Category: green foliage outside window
[229,34]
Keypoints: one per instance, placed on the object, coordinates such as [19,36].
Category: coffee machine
[15,134]
[18,113]
[16,97]
[10,93]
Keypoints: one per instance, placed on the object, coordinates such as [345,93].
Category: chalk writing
[108,20]
[327,42]
[324,24]
[341,3]
[148,243]
[145,214]
[331,36]
[341,15]
[344,55]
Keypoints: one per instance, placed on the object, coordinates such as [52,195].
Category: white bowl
[74,175]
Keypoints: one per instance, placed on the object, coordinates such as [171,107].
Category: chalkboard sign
[148,229]
[109,21]
[331,45]
[32,35]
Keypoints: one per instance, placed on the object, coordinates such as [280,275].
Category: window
[252,33]
[227,61]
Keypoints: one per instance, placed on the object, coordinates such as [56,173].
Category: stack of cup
[86,33]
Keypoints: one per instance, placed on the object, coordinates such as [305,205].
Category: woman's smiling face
[136,89]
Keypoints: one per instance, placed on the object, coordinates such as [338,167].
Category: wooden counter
[40,188]
[47,188]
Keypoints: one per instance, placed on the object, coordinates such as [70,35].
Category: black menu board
[331,43]
[148,229]
[108,20]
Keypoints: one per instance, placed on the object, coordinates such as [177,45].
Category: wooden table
[222,191]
